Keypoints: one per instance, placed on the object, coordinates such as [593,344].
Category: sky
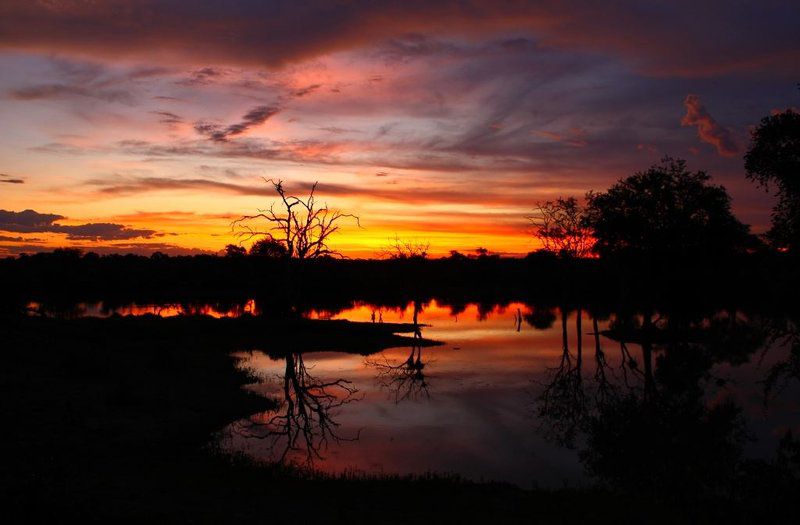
[141,126]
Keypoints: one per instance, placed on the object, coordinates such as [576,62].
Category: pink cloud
[708,129]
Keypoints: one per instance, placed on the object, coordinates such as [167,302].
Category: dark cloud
[297,93]
[708,129]
[201,77]
[8,179]
[470,193]
[103,231]
[664,38]
[137,248]
[167,117]
[255,117]
[30,221]
[6,238]
[54,91]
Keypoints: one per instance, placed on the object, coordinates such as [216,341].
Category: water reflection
[528,393]
[783,332]
[406,379]
[73,310]
[638,399]
[672,424]
[304,424]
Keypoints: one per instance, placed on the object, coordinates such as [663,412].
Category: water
[518,393]
[496,402]
[105,309]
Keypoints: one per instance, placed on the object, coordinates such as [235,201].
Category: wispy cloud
[708,129]
[470,194]
[8,179]
[55,91]
[6,238]
[255,117]
[167,117]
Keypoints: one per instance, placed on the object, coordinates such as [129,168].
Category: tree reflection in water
[304,423]
[651,428]
[407,379]
[782,333]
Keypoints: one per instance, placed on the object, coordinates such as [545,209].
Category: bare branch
[560,225]
[302,227]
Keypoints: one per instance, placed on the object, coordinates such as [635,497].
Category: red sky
[142,126]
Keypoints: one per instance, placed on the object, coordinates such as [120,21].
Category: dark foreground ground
[112,420]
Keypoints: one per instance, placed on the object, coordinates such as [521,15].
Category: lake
[517,393]
[501,400]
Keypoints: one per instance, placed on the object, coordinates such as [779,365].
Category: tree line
[662,213]
[668,211]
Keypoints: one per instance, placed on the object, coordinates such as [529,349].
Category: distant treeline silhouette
[762,277]
[662,235]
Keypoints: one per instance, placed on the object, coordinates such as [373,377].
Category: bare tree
[405,249]
[302,226]
[303,424]
[560,226]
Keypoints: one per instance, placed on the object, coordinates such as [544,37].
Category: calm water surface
[510,394]
[494,402]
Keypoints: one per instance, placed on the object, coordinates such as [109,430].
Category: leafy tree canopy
[664,211]
[773,160]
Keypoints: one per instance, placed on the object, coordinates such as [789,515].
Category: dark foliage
[666,212]
[269,248]
[773,160]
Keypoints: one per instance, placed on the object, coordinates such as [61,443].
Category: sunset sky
[135,126]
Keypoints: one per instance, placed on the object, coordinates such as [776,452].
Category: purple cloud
[30,221]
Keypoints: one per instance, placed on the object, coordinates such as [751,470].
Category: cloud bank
[274,33]
[30,221]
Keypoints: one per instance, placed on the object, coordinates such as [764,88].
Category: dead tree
[303,425]
[301,225]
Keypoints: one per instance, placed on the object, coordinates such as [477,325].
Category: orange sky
[140,126]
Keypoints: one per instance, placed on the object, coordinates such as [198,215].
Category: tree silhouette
[664,211]
[303,425]
[269,248]
[401,249]
[562,404]
[302,227]
[560,226]
[658,435]
[234,250]
[782,333]
[774,158]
